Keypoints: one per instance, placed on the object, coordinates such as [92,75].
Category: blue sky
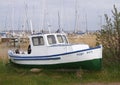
[14,13]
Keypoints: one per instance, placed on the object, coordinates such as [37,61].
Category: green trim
[95,64]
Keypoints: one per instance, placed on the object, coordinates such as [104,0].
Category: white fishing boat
[54,51]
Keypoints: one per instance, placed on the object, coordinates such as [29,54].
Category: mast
[100,22]
[13,11]
[28,21]
[48,22]
[86,24]
[44,15]
[59,24]
[59,27]
[5,24]
[76,17]
[26,18]
[49,26]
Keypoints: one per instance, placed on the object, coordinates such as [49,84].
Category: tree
[109,36]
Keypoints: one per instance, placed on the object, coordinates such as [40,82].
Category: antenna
[31,26]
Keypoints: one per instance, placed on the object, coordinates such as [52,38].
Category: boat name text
[80,54]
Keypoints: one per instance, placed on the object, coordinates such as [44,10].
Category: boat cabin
[48,43]
[48,39]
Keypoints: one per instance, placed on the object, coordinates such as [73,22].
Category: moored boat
[53,50]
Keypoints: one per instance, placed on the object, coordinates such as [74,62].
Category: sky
[44,14]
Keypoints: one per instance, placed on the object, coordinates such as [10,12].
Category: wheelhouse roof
[42,34]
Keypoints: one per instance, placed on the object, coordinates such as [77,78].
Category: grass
[10,75]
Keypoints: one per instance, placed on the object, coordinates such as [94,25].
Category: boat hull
[95,64]
[86,59]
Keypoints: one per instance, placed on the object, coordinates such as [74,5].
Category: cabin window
[65,39]
[60,39]
[38,41]
[51,39]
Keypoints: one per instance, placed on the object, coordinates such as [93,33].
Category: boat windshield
[62,39]
[65,39]
[51,39]
[37,41]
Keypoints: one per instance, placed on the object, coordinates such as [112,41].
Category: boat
[53,50]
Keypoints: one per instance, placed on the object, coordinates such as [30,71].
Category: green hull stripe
[89,65]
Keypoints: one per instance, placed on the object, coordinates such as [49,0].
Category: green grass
[10,75]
